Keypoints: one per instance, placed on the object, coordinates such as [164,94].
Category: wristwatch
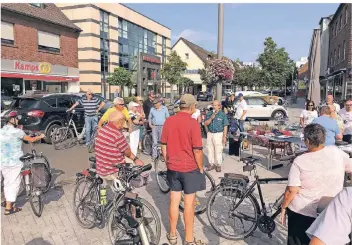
[135,159]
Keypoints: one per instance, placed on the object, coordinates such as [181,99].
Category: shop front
[338,84]
[18,77]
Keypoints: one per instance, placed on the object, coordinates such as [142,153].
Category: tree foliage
[276,64]
[121,77]
[246,75]
[173,69]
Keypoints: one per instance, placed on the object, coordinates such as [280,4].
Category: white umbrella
[314,67]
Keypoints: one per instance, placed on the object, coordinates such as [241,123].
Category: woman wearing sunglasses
[309,114]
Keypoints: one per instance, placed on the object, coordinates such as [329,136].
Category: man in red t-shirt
[181,145]
[111,147]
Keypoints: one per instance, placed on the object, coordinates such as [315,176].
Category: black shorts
[189,182]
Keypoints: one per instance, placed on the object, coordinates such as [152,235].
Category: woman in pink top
[318,173]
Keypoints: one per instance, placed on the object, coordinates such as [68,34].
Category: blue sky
[246,25]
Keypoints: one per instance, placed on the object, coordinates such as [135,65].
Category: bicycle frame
[251,189]
[71,123]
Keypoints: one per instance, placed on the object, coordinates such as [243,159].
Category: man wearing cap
[241,111]
[217,123]
[148,104]
[182,148]
[156,119]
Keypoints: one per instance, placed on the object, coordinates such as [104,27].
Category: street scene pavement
[57,225]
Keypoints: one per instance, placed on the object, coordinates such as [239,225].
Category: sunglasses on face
[89,94]
[310,105]
[348,104]
[121,104]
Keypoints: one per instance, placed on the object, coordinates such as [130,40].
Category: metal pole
[292,94]
[139,76]
[104,81]
[220,45]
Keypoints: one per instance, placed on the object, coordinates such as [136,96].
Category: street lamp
[220,44]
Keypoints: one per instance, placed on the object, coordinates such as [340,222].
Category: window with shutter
[48,41]
[7,34]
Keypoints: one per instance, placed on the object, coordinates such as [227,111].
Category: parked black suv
[45,112]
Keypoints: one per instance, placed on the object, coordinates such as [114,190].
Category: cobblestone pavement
[58,226]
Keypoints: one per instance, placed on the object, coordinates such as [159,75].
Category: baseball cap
[187,99]
[156,100]
[239,95]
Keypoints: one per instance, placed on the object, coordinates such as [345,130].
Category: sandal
[12,210]
[210,167]
[218,169]
[172,239]
[195,242]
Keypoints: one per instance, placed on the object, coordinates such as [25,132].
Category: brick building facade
[39,49]
[338,80]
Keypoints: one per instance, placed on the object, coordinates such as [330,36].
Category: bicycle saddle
[92,159]
[250,160]
[27,156]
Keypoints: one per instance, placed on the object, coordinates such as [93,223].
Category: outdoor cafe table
[272,141]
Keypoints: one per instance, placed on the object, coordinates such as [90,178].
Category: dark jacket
[147,105]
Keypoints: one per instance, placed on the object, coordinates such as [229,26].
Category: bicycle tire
[93,202]
[145,203]
[147,143]
[75,191]
[161,177]
[200,209]
[64,134]
[216,227]
[38,212]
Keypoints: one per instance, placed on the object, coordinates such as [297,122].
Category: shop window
[48,41]
[7,35]
[51,102]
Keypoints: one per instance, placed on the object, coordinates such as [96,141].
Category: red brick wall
[26,42]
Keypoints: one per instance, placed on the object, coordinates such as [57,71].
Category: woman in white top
[317,173]
[197,115]
[309,114]
[137,120]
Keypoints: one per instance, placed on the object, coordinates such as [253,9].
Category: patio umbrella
[314,68]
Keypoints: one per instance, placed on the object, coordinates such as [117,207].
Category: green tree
[121,77]
[246,75]
[185,83]
[275,63]
[173,69]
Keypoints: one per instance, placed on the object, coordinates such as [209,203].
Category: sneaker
[210,167]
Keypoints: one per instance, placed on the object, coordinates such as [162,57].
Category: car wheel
[278,115]
[49,132]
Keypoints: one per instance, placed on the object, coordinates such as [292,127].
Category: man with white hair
[119,105]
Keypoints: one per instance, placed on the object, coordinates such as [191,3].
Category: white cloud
[195,36]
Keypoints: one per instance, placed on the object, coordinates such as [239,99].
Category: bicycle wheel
[150,218]
[86,210]
[161,178]
[81,189]
[62,138]
[147,143]
[223,218]
[202,196]
[36,202]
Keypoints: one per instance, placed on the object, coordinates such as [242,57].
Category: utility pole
[220,45]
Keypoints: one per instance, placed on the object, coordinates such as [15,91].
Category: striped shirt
[90,106]
[110,147]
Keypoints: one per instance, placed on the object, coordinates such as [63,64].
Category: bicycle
[125,213]
[235,188]
[36,178]
[147,142]
[201,196]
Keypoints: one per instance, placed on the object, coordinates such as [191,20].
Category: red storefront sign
[23,66]
[151,60]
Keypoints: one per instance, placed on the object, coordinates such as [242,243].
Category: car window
[255,101]
[25,103]
[51,102]
[76,99]
[64,102]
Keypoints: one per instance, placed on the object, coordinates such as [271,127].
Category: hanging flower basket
[221,70]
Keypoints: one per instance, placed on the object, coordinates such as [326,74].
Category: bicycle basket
[40,175]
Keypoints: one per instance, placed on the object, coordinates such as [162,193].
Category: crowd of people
[319,172]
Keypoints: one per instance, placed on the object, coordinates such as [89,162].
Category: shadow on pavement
[39,240]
